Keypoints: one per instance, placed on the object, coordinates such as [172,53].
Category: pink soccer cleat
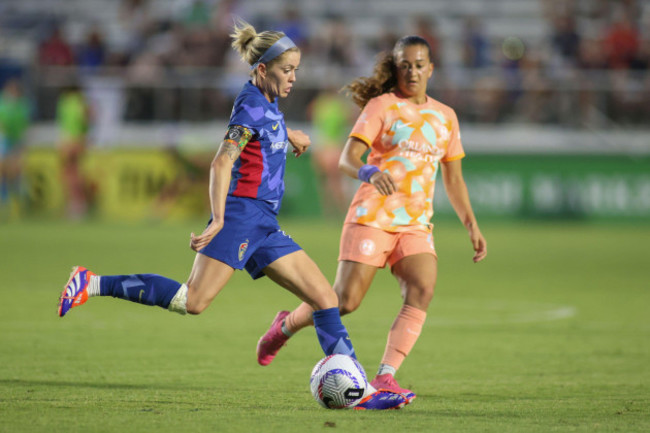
[74,293]
[269,345]
[388,383]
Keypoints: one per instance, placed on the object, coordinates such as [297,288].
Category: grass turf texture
[550,333]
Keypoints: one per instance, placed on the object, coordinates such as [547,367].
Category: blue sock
[148,289]
[332,335]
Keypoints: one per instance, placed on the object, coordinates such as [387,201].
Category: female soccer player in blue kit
[246,188]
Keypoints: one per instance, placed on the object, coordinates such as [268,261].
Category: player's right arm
[231,147]
[350,163]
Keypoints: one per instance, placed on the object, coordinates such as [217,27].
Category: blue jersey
[258,173]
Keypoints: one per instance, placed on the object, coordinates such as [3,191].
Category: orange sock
[299,318]
[403,335]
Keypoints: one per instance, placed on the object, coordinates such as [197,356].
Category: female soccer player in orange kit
[409,134]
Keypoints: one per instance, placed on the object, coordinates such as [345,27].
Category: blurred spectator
[565,39]
[136,23]
[92,53]
[486,99]
[628,101]
[630,88]
[385,40]
[73,119]
[536,104]
[590,55]
[293,25]
[641,62]
[334,46]
[55,50]
[14,121]
[427,29]
[476,46]
[225,13]
[143,74]
[621,42]
[331,117]
[197,15]
[591,62]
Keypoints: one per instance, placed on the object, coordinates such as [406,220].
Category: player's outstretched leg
[75,291]
[148,289]
[271,342]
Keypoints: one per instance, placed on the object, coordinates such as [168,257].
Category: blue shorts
[251,237]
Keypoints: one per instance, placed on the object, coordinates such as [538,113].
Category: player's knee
[420,295]
[325,299]
[348,304]
[195,306]
[195,309]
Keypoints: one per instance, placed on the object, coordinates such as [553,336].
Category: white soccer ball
[338,382]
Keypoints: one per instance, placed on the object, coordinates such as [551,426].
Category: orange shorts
[376,247]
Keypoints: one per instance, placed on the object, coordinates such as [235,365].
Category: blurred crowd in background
[84,70]
[581,64]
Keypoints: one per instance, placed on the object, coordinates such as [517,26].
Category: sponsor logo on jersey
[279,145]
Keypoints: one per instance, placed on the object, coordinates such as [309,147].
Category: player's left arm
[231,147]
[452,175]
[299,141]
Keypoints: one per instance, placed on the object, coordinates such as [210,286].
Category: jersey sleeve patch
[239,135]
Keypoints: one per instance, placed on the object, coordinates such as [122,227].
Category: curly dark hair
[384,77]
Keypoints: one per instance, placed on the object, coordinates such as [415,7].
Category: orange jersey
[407,141]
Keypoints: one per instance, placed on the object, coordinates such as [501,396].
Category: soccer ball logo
[338,382]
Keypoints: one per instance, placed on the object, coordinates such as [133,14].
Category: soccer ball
[338,382]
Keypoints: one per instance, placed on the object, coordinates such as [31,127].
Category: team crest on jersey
[242,249]
[367,247]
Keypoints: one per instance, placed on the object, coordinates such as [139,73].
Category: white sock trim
[93,286]
[179,301]
[385,368]
[285,330]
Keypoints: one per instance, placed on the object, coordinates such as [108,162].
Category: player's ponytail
[242,36]
[251,45]
[384,75]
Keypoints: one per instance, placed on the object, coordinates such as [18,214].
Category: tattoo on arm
[235,140]
[230,148]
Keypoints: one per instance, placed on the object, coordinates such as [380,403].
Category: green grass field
[550,333]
